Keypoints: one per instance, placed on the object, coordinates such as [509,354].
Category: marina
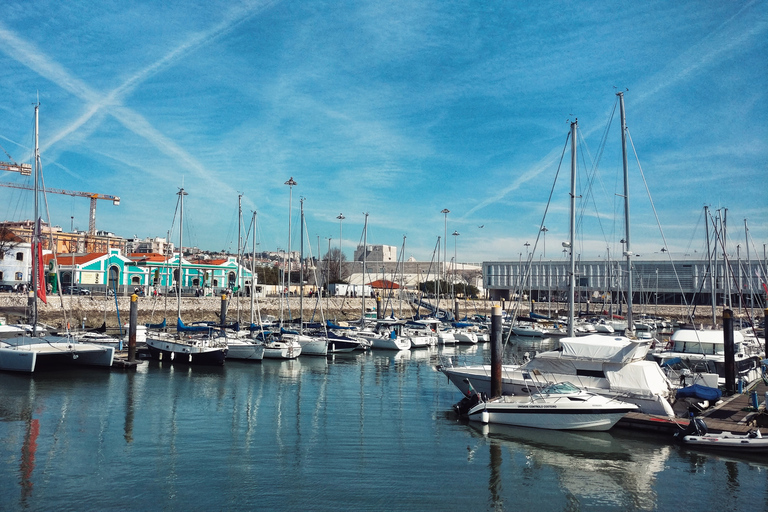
[487,295]
[323,433]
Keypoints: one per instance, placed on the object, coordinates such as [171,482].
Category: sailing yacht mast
[253,263]
[712,268]
[237,270]
[301,271]
[572,231]
[365,250]
[628,250]
[36,228]
[179,281]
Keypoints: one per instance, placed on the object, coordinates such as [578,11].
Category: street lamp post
[544,249]
[527,245]
[341,218]
[455,235]
[445,212]
[291,183]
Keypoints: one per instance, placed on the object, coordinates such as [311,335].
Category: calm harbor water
[365,431]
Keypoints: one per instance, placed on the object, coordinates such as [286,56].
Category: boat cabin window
[560,388]
[695,347]
[591,373]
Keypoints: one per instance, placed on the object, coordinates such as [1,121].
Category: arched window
[114,277]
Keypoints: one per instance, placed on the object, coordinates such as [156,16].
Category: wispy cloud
[27,54]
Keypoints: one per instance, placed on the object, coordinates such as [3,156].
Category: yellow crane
[91,220]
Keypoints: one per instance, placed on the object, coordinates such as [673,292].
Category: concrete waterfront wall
[96,310]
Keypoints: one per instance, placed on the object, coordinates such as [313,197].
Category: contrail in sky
[28,55]
[715,46]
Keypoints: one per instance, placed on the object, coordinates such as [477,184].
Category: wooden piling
[132,323]
[730,359]
[496,351]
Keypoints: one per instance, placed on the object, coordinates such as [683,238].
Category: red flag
[41,274]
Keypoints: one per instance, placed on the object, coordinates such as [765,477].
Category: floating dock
[734,414]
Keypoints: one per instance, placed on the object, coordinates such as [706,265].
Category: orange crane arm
[93,197]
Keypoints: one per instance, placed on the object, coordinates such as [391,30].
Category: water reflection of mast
[494,480]
[129,409]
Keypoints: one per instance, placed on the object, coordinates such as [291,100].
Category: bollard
[753,399]
[223,313]
[132,322]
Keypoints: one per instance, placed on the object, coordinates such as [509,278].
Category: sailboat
[276,345]
[31,353]
[606,365]
[238,345]
[190,344]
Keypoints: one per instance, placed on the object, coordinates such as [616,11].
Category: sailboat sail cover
[40,274]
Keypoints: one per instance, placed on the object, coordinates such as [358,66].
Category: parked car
[76,290]
[6,288]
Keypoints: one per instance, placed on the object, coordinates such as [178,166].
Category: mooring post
[456,311]
[223,314]
[132,322]
[730,359]
[379,310]
[496,346]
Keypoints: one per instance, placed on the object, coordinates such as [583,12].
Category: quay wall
[95,310]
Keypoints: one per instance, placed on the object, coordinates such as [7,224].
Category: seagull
[481,227]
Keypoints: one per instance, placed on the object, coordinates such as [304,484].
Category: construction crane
[92,219]
[24,169]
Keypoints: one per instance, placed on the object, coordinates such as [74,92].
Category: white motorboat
[703,351]
[560,406]
[607,365]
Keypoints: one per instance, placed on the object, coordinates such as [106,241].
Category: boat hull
[729,442]
[245,351]
[513,382]
[53,355]
[281,350]
[183,353]
[391,343]
[580,419]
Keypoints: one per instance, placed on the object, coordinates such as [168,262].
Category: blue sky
[399,109]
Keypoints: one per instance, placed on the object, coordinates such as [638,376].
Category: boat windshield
[560,388]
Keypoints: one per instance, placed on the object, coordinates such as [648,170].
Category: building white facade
[377,253]
[15,264]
